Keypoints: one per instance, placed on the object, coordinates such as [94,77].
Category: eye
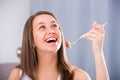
[54,25]
[42,27]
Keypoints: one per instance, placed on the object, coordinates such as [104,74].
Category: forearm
[96,35]
[101,68]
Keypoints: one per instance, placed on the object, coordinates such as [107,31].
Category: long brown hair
[29,59]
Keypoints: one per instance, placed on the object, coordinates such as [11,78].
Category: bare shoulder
[14,75]
[80,74]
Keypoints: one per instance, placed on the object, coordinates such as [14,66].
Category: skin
[96,36]
[46,27]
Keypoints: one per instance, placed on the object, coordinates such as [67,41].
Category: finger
[94,24]
[94,35]
[90,34]
[96,32]
[98,27]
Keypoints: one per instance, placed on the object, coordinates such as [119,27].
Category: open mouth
[51,40]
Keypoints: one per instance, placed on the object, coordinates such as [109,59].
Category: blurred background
[76,18]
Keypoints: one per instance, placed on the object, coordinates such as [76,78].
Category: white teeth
[51,39]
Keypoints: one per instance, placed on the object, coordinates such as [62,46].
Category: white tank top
[25,77]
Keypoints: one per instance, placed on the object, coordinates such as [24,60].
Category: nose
[51,31]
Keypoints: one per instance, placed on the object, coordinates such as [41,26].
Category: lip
[51,37]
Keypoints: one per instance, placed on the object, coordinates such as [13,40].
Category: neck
[47,66]
[47,61]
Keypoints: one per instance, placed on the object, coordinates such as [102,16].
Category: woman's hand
[96,35]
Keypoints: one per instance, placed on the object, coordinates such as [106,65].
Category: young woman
[43,55]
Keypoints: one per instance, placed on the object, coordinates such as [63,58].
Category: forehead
[43,18]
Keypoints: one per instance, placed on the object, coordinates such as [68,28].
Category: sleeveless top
[25,77]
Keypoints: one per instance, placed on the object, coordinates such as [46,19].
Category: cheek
[60,35]
[37,38]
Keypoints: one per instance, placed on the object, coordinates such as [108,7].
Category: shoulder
[80,74]
[15,74]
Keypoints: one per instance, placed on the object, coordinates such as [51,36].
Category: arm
[96,35]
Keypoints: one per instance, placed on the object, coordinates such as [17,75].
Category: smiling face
[46,34]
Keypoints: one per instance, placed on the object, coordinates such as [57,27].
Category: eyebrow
[53,22]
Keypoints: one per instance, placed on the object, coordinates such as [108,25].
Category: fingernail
[94,22]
